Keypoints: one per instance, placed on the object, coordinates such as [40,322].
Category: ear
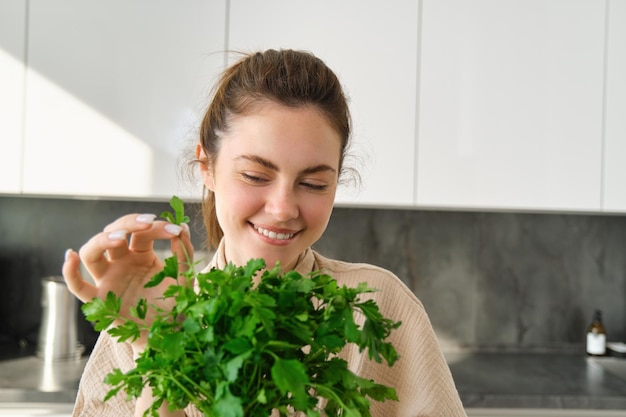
[206,171]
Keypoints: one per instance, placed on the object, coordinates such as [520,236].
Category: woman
[271,152]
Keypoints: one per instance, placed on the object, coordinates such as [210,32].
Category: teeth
[273,235]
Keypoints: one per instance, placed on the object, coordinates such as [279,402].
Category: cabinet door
[12,70]
[511,104]
[115,91]
[615,128]
[372,47]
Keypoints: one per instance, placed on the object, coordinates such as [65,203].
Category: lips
[273,235]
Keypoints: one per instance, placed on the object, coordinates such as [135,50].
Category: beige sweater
[421,376]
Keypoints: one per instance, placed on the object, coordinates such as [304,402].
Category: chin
[270,263]
[285,262]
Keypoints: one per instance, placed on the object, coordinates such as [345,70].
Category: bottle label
[596,343]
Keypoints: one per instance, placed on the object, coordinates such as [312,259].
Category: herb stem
[328,393]
[194,398]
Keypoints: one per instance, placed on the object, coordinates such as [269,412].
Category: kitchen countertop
[31,379]
[539,380]
[484,380]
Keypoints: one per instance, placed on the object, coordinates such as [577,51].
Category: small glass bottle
[596,336]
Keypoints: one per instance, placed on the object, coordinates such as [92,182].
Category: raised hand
[121,259]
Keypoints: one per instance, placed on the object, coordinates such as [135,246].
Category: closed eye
[253,178]
[314,187]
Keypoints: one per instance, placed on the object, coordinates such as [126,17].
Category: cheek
[317,211]
[237,201]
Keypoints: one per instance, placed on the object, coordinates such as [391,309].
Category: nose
[282,203]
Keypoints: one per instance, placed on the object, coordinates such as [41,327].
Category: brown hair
[286,77]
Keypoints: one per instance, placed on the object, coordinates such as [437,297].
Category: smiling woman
[276,172]
[270,154]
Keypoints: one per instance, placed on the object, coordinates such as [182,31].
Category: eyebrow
[270,165]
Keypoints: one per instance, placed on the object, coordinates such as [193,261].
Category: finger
[83,290]
[121,244]
[183,248]
[115,243]
[143,241]
[131,222]
[94,253]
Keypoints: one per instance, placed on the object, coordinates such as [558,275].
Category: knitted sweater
[421,376]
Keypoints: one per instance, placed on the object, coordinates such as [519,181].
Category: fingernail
[67,253]
[186,229]
[146,218]
[173,229]
[118,235]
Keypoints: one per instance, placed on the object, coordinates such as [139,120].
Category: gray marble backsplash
[515,281]
[489,281]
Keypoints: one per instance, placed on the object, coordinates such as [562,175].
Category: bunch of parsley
[233,349]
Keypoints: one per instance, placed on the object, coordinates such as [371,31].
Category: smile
[273,235]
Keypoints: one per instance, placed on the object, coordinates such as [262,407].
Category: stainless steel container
[58,335]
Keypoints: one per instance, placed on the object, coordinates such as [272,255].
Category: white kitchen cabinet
[12,70]
[615,127]
[115,91]
[372,46]
[511,104]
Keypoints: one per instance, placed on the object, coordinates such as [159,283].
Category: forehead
[276,132]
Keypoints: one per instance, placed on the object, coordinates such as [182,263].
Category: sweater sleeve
[425,384]
[107,355]
[421,376]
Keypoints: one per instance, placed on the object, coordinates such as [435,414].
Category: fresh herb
[234,349]
[179,212]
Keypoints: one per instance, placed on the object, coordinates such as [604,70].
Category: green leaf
[168,216]
[375,329]
[112,393]
[171,266]
[191,326]
[232,367]
[253,266]
[290,377]
[228,406]
[206,335]
[139,311]
[156,279]
[238,345]
[261,397]
[350,329]
[380,392]
[102,312]
[127,331]
[173,345]
[170,270]
[179,212]
[115,377]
